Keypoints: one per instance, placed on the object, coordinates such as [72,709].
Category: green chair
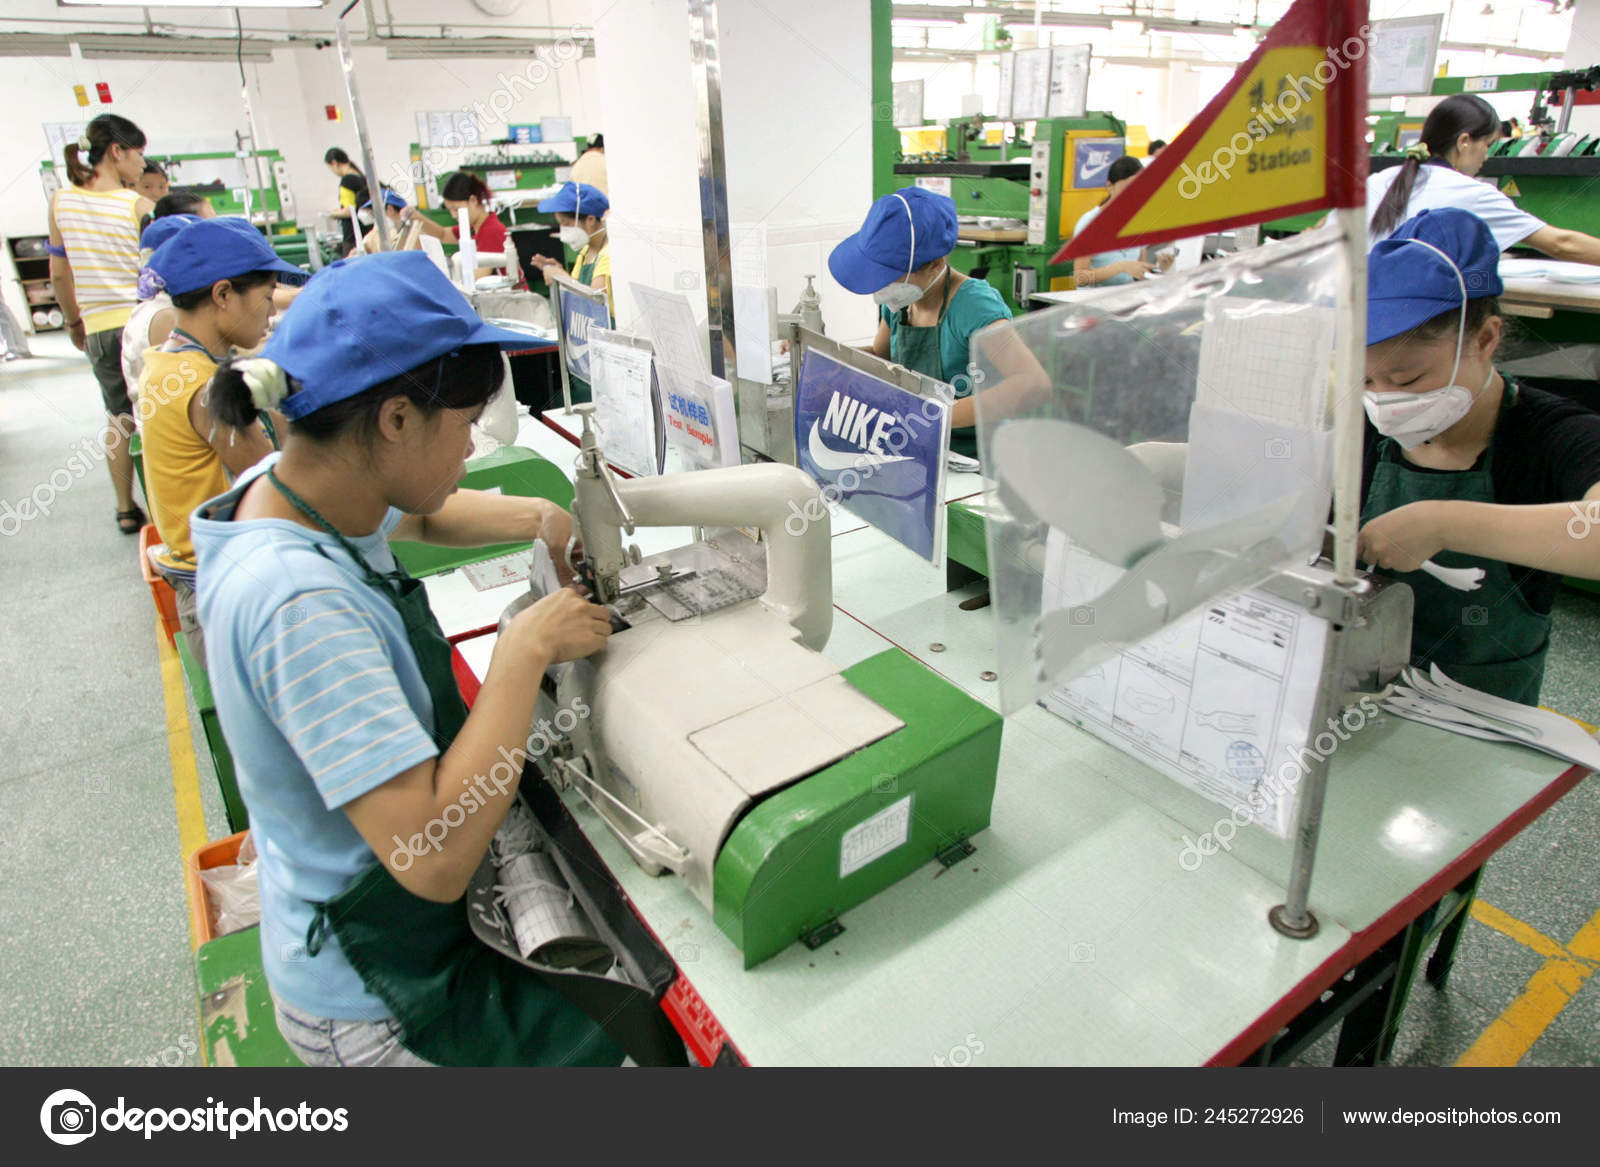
[237,1022]
[512,470]
[221,759]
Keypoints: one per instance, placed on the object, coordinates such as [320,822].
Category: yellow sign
[1266,149]
[81,94]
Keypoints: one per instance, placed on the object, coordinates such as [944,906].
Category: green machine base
[820,847]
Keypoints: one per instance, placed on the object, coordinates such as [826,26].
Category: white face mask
[901,294]
[1414,418]
[574,236]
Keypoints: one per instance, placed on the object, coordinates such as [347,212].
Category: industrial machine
[714,739]
[1017,201]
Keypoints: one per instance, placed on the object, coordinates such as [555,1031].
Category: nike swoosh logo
[828,458]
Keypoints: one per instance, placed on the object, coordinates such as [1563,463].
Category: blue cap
[164,228]
[575,195]
[209,250]
[1409,284]
[882,252]
[365,320]
[390,199]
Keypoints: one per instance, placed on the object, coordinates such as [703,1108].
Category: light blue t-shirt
[1107,258]
[320,697]
[972,306]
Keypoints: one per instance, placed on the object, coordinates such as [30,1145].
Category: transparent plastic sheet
[1177,448]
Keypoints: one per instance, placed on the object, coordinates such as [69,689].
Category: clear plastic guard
[1151,447]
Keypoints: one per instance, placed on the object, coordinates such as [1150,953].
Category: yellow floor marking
[180,746]
[1508,925]
[1511,1035]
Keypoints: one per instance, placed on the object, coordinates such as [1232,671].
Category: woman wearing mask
[488,232]
[927,311]
[580,209]
[94,270]
[1112,267]
[1465,467]
[1439,171]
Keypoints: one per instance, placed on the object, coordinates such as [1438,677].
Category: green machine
[1018,201]
[714,739]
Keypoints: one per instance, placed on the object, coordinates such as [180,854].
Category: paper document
[624,410]
[1220,701]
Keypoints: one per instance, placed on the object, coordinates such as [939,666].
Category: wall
[195,106]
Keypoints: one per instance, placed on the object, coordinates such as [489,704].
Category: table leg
[1444,956]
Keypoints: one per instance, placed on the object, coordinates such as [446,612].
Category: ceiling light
[426,48]
[33,44]
[122,46]
[190,4]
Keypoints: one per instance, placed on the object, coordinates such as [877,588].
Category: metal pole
[374,187]
[1293,917]
[1568,98]
[703,56]
[561,347]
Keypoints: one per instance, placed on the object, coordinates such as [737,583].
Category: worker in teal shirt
[927,311]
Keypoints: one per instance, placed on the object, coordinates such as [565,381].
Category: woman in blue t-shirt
[927,311]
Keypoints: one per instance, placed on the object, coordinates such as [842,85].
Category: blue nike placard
[875,449]
[578,314]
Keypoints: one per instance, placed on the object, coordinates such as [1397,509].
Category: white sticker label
[875,837]
[1480,84]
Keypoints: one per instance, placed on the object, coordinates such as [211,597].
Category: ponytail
[242,387]
[1460,113]
[461,186]
[105,131]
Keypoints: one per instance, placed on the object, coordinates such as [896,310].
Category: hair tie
[1418,150]
[83,142]
[150,284]
[268,383]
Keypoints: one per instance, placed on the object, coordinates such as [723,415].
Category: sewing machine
[713,737]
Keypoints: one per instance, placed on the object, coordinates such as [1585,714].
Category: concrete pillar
[797,132]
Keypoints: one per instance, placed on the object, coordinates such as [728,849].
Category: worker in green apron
[580,211]
[928,312]
[373,792]
[1466,468]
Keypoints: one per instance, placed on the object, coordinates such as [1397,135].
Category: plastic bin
[166,600]
[201,911]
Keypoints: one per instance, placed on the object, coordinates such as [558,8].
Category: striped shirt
[321,700]
[100,230]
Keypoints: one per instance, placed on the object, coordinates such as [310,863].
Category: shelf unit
[33,273]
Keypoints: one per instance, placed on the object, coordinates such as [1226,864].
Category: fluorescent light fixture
[427,48]
[1192,27]
[125,46]
[34,44]
[190,4]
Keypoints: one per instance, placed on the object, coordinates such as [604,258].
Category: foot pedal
[821,934]
[955,853]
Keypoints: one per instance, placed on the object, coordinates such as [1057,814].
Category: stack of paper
[1434,699]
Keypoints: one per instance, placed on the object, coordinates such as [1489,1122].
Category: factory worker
[927,311]
[467,191]
[394,207]
[1440,171]
[1464,466]
[151,321]
[580,209]
[1112,267]
[373,792]
[220,274]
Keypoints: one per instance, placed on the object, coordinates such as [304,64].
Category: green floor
[95,943]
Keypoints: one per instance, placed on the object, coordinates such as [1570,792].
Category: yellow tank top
[100,230]
[181,469]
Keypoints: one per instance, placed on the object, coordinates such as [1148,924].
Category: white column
[797,130]
[1583,50]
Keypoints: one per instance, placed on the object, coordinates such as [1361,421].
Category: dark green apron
[459,1002]
[917,348]
[1491,638]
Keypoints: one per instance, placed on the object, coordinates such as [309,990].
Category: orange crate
[201,912]
[161,592]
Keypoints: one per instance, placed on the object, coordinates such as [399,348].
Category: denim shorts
[326,1041]
[104,350]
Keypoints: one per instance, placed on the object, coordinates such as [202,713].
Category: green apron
[917,348]
[1491,638]
[459,1002]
